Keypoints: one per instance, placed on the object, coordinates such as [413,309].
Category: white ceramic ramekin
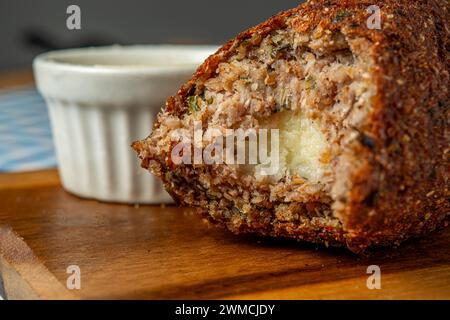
[102,99]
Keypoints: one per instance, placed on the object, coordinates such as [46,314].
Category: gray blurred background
[29,27]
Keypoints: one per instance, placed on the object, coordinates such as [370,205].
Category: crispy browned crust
[400,183]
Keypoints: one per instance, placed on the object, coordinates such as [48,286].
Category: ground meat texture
[364,144]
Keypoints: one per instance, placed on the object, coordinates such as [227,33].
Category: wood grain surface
[152,252]
[16,78]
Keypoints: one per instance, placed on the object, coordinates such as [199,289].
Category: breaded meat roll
[327,123]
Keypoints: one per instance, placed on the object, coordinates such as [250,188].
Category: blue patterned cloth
[25,137]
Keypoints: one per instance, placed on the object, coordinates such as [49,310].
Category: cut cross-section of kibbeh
[363,120]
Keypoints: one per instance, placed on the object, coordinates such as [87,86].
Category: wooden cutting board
[152,252]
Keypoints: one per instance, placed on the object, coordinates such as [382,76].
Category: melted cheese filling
[303,147]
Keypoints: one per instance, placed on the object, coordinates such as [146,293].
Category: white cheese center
[303,147]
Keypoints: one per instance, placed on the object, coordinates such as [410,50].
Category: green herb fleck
[192,102]
[310,83]
[341,15]
[246,80]
[210,100]
[245,42]
[279,48]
